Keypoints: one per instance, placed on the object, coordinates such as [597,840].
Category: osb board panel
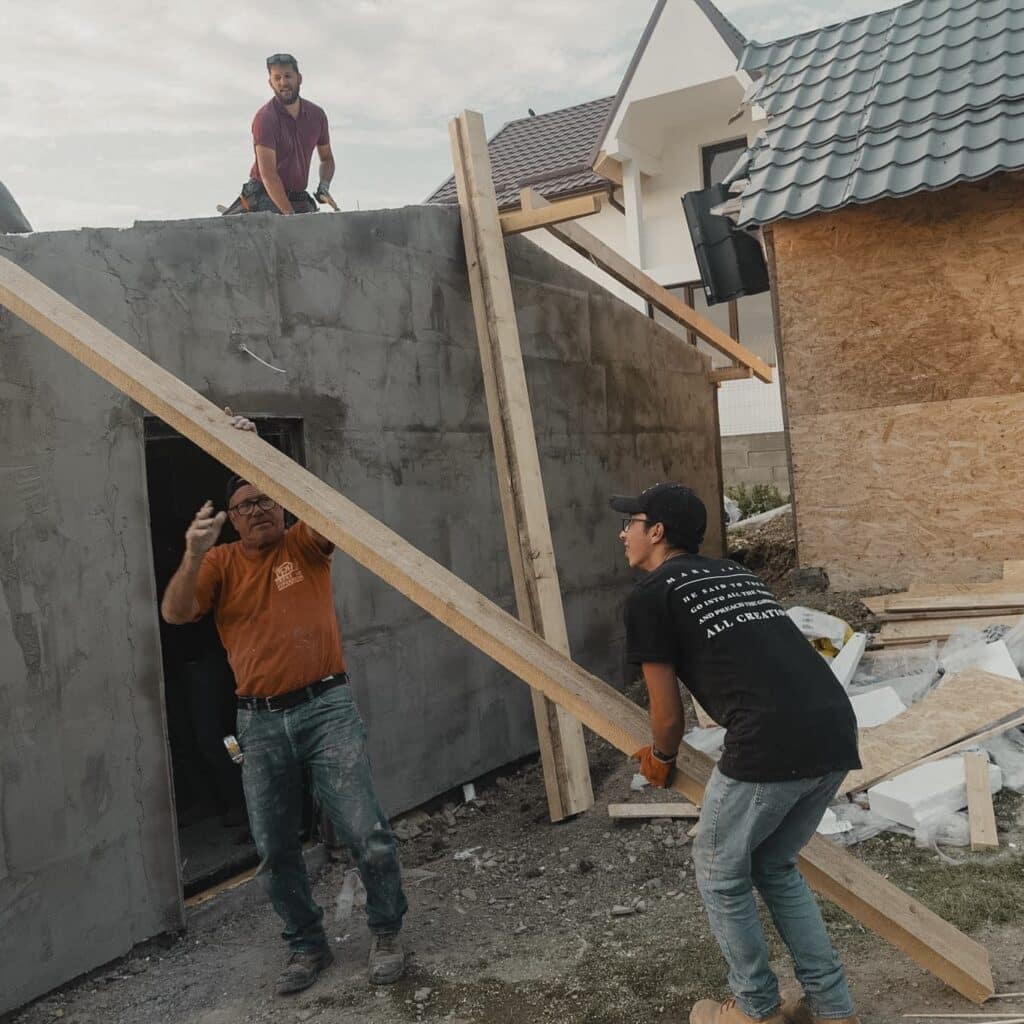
[961,706]
[914,492]
[918,299]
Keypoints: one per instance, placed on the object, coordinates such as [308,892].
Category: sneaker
[387,958]
[302,970]
[707,1011]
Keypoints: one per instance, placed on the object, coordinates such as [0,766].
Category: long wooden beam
[619,268]
[932,942]
[531,550]
[566,209]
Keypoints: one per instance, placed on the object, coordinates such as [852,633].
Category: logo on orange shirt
[286,574]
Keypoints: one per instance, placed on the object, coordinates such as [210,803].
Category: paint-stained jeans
[326,735]
[749,836]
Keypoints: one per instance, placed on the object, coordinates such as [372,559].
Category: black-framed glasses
[282,58]
[249,506]
[626,523]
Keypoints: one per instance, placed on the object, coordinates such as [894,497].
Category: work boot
[302,970]
[387,958]
[796,1011]
[707,1011]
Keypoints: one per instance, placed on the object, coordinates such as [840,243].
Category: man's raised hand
[239,422]
[204,530]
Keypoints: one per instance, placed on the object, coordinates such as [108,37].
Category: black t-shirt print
[733,646]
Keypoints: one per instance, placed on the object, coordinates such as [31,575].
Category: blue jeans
[326,735]
[750,835]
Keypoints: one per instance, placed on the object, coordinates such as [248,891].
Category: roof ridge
[534,118]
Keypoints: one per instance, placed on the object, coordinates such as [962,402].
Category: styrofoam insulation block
[845,663]
[939,787]
[994,658]
[876,707]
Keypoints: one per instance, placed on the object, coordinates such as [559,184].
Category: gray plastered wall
[370,315]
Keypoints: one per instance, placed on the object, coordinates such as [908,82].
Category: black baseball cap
[282,58]
[234,482]
[674,505]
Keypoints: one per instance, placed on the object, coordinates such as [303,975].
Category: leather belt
[293,697]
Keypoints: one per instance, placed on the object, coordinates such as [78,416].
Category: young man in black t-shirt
[791,737]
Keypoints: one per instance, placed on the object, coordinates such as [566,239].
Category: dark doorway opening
[213,834]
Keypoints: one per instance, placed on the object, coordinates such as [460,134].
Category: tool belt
[253,191]
[293,697]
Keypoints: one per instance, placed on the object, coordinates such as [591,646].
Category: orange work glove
[657,768]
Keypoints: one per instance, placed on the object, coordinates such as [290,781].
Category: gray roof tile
[917,97]
[549,151]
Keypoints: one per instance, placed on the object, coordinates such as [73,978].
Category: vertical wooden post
[527,529]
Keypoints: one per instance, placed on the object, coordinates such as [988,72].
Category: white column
[633,200]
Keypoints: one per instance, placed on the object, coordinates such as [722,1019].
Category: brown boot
[302,970]
[796,1011]
[707,1011]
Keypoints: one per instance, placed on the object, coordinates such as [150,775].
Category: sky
[112,113]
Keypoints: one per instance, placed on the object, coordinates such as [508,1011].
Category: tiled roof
[918,97]
[549,151]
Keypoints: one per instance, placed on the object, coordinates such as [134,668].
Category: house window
[718,160]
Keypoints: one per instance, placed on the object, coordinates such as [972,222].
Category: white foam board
[877,707]
[845,663]
[939,787]
[994,658]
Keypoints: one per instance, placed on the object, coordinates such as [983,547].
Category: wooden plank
[970,701]
[608,167]
[983,614]
[527,527]
[871,899]
[731,373]
[619,268]
[955,602]
[926,630]
[980,812]
[875,605]
[676,810]
[566,209]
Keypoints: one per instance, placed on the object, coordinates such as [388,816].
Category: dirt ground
[587,922]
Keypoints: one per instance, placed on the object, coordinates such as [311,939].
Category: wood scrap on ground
[980,812]
[672,810]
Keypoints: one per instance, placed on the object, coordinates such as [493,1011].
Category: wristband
[664,758]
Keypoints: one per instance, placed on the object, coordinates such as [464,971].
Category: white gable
[684,50]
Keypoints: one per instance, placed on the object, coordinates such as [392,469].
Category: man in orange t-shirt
[270,594]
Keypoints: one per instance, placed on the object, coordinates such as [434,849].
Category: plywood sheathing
[902,324]
[959,707]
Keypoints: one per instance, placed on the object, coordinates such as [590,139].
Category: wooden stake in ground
[933,943]
[979,802]
[527,529]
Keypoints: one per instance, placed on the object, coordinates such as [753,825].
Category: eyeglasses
[282,58]
[626,523]
[249,506]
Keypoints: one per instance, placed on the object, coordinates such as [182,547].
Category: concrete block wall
[756,459]
[370,316]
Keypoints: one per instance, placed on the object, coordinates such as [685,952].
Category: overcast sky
[113,113]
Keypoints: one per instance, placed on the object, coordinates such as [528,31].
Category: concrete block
[939,787]
[750,475]
[734,459]
[770,442]
[767,459]
[877,706]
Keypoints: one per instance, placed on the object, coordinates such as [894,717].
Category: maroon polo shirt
[292,139]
